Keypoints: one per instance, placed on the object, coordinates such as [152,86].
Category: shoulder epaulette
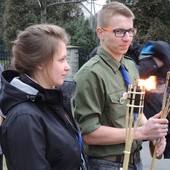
[125,56]
[95,59]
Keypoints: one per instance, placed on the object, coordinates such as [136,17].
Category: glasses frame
[125,31]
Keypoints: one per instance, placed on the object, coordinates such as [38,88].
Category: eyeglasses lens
[122,32]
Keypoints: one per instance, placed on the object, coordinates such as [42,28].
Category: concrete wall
[73,61]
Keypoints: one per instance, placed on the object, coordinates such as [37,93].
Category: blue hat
[147,49]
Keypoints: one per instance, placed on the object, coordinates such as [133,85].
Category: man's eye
[130,31]
[119,31]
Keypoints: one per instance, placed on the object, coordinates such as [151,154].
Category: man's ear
[99,32]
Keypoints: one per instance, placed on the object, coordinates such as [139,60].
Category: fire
[149,83]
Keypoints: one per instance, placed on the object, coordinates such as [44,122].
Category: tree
[18,14]
[82,36]
[64,13]
[43,10]
[1,16]
[152,19]
[44,5]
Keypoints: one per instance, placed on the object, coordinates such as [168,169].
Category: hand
[159,62]
[155,128]
[1,120]
[160,146]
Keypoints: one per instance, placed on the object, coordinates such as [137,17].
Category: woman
[38,133]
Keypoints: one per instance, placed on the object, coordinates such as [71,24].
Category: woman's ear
[40,66]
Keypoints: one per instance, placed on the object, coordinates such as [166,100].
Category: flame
[149,83]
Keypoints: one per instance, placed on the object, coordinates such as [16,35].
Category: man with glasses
[99,101]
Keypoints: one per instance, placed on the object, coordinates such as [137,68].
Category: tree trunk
[43,11]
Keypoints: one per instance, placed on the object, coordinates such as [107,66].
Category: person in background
[147,66]
[99,102]
[1,120]
[159,50]
[39,131]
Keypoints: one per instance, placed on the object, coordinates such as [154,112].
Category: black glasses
[120,32]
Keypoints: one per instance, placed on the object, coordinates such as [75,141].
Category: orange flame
[149,83]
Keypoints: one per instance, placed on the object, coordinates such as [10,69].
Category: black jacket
[37,133]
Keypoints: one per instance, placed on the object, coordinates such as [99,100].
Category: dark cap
[161,50]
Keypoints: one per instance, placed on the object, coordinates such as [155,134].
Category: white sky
[93,7]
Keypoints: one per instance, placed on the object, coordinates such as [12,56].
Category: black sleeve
[153,103]
[24,137]
[147,67]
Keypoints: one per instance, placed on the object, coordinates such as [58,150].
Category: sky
[92,7]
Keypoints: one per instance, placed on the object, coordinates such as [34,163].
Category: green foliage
[17,16]
[82,36]
[152,19]
[63,13]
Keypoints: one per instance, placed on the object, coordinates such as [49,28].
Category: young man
[100,87]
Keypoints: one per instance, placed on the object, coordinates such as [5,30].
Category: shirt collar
[110,60]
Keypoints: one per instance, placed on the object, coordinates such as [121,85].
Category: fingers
[161,144]
[158,115]
[156,118]
[155,128]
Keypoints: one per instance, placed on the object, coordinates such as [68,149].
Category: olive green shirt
[98,98]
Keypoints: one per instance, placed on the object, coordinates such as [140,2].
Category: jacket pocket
[118,97]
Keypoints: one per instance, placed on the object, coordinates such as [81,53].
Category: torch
[135,104]
[164,113]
